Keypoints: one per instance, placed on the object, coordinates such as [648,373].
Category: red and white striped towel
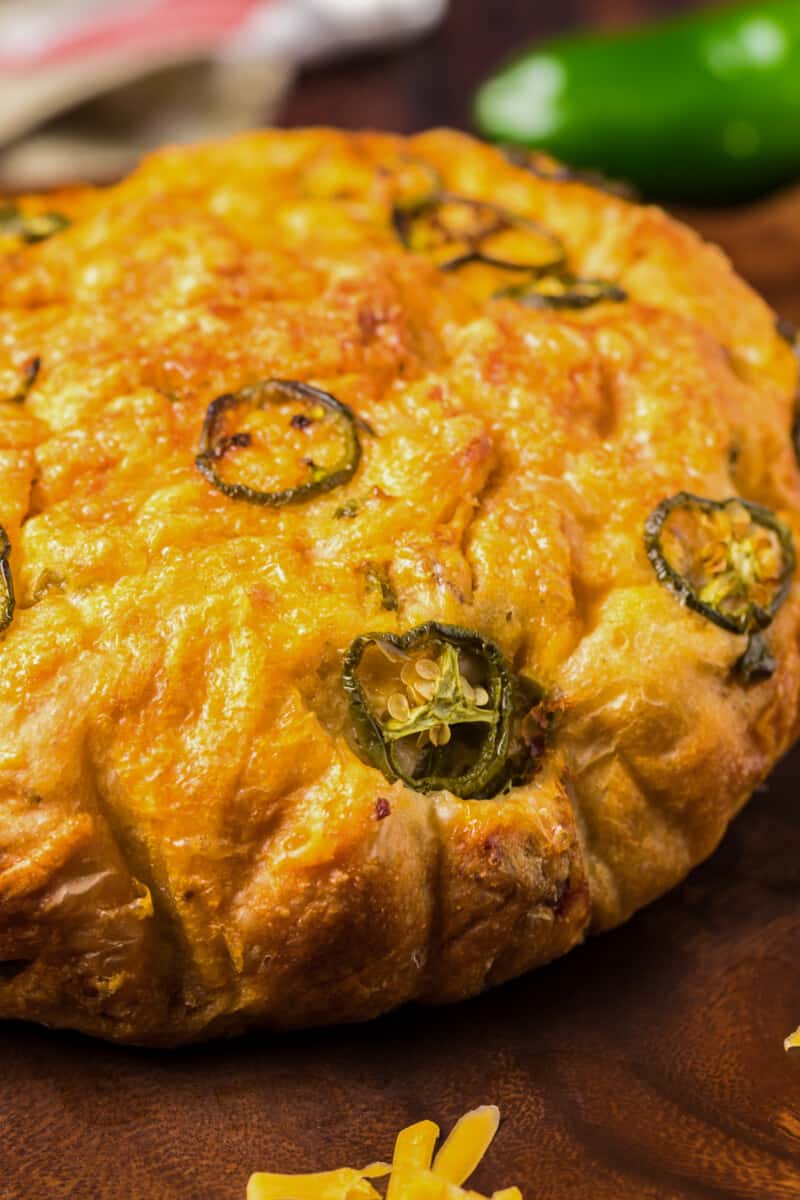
[57,54]
[39,36]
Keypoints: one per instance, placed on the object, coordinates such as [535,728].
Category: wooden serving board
[647,1065]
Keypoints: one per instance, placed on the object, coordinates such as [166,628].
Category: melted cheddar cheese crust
[190,843]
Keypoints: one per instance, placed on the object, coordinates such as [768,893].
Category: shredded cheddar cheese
[792,1042]
[413,1174]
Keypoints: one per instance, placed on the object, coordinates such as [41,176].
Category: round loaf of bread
[397,577]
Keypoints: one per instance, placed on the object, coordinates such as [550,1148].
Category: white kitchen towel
[88,86]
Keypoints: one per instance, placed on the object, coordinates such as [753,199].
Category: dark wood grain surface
[647,1065]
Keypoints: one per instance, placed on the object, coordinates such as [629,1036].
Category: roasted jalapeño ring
[439,708]
[316,409]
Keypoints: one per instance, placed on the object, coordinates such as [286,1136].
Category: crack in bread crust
[510,457]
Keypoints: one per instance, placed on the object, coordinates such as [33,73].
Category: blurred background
[433,81]
[704,116]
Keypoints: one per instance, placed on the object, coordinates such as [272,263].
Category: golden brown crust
[188,843]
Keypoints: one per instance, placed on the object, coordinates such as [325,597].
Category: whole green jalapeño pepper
[702,107]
